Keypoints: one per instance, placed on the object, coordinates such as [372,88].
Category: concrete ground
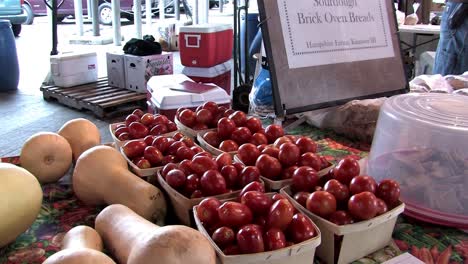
[25,112]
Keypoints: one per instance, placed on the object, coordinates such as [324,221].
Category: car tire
[28,11]
[16,29]
[105,14]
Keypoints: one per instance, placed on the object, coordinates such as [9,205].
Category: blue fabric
[452,51]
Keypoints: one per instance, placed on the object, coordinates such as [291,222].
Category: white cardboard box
[74,68]
[116,68]
[139,69]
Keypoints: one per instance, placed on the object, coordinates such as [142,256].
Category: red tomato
[225,127]
[124,136]
[178,111]
[196,149]
[341,218]
[268,166]
[280,141]
[200,126]
[204,116]
[159,142]
[196,194]
[248,153]
[223,160]
[207,211]
[134,148]
[172,150]
[147,120]
[202,164]
[215,120]
[149,140]
[138,130]
[143,164]
[271,151]
[249,174]
[306,144]
[131,118]
[258,139]
[178,136]
[250,239]
[171,126]
[274,239]
[176,179]
[321,203]
[228,112]
[212,138]
[293,138]
[186,167]
[253,124]
[301,229]
[288,172]
[254,186]
[188,117]
[339,190]
[224,236]
[232,250]
[138,112]
[184,153]
[192,183]
[228,146]
[273,132]
[203,154]
[241,135]
[212,183]
[346,170]
[389,191]
[239,166]
[231,176]
[239,118]
[289,154]
[382,207]
[160,119]
[278,197]
[168,159]
[304,179]
[258,202]
[234,214]
[187,141]
[280,214]
[260,220]
[363,206]
[167,168]
[301,198]
[362,183]
[211,106]
[120,131]
[153,155]
[312,160]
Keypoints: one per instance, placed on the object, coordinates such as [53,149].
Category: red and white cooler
[219,75]
[205,45]
[166,98]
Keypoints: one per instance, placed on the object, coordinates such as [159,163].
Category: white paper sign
[320,32]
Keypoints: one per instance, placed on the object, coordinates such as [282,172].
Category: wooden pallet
[98,97]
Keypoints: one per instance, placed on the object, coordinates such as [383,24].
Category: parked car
[66,8]
[11,10]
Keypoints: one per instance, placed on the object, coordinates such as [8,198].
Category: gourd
[20,201]
[101,176]
[132,239]
[82,134]
[81,245]
[47,155]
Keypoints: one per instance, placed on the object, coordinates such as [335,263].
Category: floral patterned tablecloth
[61,211]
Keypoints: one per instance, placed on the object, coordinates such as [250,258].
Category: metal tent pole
[177,9]
[149,15]
[94,19]
[116,24]
[137,15]
[54,28]
[79,16]
[221,6]
[162,10]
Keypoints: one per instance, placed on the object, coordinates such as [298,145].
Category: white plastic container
[116,69]
[421,140]
[74,68]
[139,69]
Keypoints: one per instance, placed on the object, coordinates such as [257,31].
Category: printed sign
[320,32]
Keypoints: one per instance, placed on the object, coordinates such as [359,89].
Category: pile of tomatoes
[345,196]
[139,125]
[156,151]
[280,160]
[206,116]
[204,175]
[258,222]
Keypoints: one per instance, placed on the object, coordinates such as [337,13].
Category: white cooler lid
[208,72]
[72,56]
[165,98]
[160,81]
[205,28]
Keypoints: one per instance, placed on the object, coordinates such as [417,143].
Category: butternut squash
[82,134]
[81,245]
[47,155]
[133,240]
[101,176]
[20,201]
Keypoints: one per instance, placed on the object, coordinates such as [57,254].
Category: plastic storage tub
[219,75]
[74,68]
[205,45]
[421,140]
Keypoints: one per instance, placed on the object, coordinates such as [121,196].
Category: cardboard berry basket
[210,148]
[302,253]
[189,131]
[120,143]
[276,186]
[150,172]
[357,240]
[183,205]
